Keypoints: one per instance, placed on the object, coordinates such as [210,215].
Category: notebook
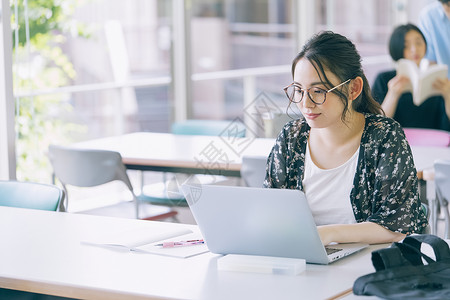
[259,221]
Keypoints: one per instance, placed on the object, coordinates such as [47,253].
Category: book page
[132,238]
[408,69]
[427,78]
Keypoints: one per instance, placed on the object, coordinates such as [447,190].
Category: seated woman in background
[407,41]
[354,164]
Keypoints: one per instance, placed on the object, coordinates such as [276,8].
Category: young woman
[389,89]
[354,165]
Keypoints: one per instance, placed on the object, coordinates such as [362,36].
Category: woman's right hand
[398,85]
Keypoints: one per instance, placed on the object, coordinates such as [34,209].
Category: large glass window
[88,69]
[238,35]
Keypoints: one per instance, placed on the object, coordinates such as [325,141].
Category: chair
[426,211]
[33,196]
[253,170]
[209,127]
[89,168]
[30,195]
[442,181]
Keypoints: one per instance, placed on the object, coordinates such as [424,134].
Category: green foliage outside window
[39,63]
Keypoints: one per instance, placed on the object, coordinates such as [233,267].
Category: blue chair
[30,195]
[34,196]
[209,127]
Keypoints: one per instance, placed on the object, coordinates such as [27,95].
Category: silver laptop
[258,221]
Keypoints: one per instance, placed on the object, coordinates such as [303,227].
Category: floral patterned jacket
[385,187]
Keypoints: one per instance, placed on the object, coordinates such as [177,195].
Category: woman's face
[317,116]
[415,46]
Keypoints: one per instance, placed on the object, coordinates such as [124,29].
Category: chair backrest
[442,178]
[253,170]
[442,182]
[209,127]
[86,167]
[30,195]
[426,211]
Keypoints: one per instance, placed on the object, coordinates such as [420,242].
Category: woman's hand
[443,85]
[398,85]
[365,232]
[326,234]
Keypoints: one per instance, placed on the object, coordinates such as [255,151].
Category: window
[87,69]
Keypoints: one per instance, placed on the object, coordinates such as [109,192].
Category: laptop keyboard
[332,250]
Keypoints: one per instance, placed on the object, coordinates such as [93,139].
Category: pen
[180,243]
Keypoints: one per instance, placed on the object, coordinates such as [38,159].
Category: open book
[146,238]
[421,80]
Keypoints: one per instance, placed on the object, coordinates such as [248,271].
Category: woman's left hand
[442,85]
[365,232]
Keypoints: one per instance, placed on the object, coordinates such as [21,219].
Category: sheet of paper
[132,238]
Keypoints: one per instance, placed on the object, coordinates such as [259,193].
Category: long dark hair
[331,51]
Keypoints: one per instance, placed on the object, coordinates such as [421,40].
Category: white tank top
[328,191]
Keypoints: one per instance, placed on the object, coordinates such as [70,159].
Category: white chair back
[442,181]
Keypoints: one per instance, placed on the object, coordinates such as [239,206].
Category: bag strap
[388,258]
[408,252]
[440,247]
[413,255]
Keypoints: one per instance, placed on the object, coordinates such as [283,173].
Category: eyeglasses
[317,95]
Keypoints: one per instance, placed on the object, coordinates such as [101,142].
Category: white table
[41,252]
[425,156]
[217,155]
[169,152]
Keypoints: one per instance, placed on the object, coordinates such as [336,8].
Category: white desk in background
[425,156]
[41,252]
[217,155]
[200,154]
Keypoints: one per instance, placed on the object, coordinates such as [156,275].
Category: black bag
[401,273]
